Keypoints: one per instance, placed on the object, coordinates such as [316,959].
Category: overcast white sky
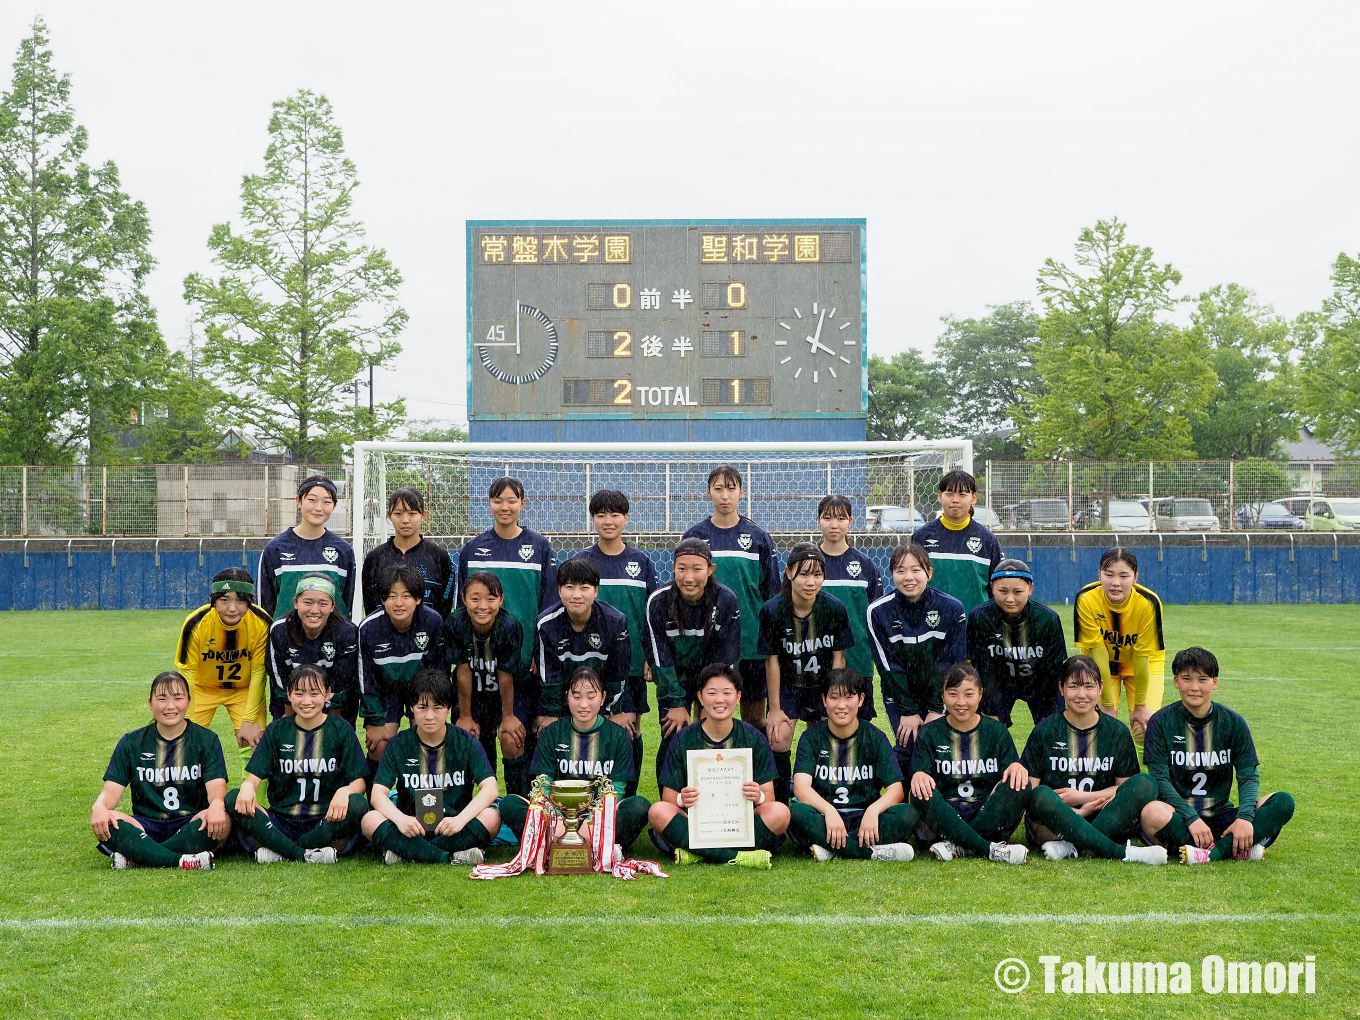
[976,138]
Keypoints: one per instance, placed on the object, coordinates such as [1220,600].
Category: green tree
[906,398]
[1330,363]
[1253,406]
[1120,381]
[988,364]
[302,306]
[185,415]
[78,337]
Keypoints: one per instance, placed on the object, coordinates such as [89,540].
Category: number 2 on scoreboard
[623,391]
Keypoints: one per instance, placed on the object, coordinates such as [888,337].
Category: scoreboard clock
[666,319]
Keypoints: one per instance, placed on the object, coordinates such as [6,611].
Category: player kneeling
[434,769]
[1192,750]
[315,770]
[847,784]
[966,781]
[1089,793]
[719,693]
[178,778]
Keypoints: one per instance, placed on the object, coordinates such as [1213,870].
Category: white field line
[56,924]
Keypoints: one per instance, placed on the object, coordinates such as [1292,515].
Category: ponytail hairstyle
[695,547]
[804,558]
[1081,667]
[1118,554]
[957,674]
[913,549]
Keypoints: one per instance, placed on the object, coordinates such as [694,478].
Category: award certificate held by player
[722,816]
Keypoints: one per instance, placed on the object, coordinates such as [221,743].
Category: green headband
[240,587]
[315,582]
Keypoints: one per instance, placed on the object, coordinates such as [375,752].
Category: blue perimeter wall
[1314,569]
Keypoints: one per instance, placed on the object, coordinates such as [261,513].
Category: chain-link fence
[162,499]
[1172,496]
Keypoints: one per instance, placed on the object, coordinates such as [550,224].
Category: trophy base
[569,859]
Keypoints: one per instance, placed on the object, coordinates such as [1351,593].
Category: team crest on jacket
[328,649]
[526,552]
[594,641]
[974,544]
[422,639]
[932,618]
[633,569]
[853,568]
[744,540]
[330,554]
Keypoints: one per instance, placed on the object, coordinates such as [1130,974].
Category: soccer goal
[664,482]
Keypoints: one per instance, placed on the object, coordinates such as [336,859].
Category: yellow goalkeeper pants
[205,701]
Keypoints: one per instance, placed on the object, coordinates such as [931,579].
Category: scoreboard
[666,319]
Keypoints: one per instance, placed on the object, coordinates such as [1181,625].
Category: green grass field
[847,939]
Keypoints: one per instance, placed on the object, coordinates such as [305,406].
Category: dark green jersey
[852,772]
[675,772]
[564,752]
[304,768]
[1197,757]
[1059,754]
[409,765]
[803,643]
[167,777]
[852,577]
[965,766]
[486,655]
[1024,652]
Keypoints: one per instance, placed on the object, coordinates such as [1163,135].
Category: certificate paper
[722,817]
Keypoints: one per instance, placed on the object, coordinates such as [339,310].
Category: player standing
[964,552]
[406,511]
[853,578]
[307,547]
[1017,645]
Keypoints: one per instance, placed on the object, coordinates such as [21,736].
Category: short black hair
[1080,666]
[719,669]
[913,549]
[725,472]
[486,578]
[578,570]
[585,675]
[312,481]
[956,674]
[845,679]
[407,497]
[303,674]
[233,574]
[434,684]
[499,485]
[608,501]
[835,506]
[169,680]
[957,480]
[406,575]
[1197,658]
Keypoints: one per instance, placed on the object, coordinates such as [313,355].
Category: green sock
[783,769]
[333,832]
[806,826]
[1120,818]
[517,775]
[1270,818]
[630,789]
[630,818]
[941,818]
[471,835]
[514,812]
[417,849]
[134,844]
[1048,809]
[191,839]
[662,749]
[676,833]
[1001,813]
[261,829]
[1175,834]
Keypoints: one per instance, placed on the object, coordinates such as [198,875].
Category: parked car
[1037,515]
[894,518]
[1185,514]
[1125,515]
[1267,516]
[1328,512]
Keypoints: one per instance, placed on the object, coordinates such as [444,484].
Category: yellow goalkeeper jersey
[213,657]
[1128,629]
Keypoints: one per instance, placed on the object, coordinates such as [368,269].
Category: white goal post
[665,483]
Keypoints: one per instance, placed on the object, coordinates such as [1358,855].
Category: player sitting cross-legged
[178,781]
[847,783]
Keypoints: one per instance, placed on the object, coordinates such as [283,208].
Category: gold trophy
[570,854]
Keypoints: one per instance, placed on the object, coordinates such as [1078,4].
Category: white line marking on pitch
[38,924]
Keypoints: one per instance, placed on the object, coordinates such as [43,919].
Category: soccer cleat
[758,859]
[1143,854]
[467,858]
[1256,853]
[321,855]
[945,850]
[1008,853]
[120,862]
[892,852]
[1059,850]
[822,853]
[683,856]
[390,857]
[1195,854]
[263,855]
[196,862]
